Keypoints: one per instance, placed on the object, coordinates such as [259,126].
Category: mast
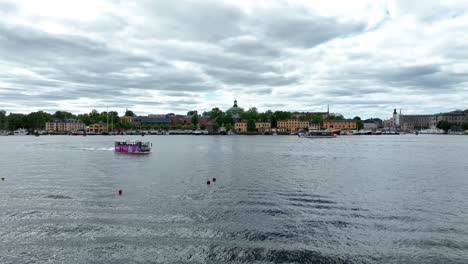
[107,120]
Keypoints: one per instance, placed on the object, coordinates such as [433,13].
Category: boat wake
[96,149]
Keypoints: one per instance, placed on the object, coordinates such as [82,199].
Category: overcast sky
[361,57]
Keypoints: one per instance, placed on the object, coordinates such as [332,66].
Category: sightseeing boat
[133,147]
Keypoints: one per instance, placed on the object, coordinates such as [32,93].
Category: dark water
[380,199]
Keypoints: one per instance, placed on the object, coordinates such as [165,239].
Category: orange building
[292,125]
[340,124]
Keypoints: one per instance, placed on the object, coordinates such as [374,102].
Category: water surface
[277,199]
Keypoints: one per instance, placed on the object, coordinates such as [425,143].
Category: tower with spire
[235,111]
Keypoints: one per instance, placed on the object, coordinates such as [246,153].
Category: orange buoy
[120,191]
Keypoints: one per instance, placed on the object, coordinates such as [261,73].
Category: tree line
[37,120]
[252,115]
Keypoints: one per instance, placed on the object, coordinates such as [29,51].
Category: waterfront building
[410,122]
[97,128]
[292,125]
[426,121]
[186,120]
[128,119]
[263,126]
[64,125]
[153,120]
[373,124]
[314,126]
[179,120]
[394,122]
[240,127]
[235,111]
[455,118]
[339,124]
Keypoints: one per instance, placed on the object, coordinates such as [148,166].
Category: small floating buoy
[120,191]
[214,179]
[3,178]
[208,182]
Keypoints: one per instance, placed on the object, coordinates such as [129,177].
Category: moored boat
[132,147]
[20,132]
[336,132]
[318,134]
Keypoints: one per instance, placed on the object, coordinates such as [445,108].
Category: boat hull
[132,148]
[317,136]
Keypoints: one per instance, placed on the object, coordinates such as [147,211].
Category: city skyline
[363,58]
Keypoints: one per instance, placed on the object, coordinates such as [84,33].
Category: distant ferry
[133,147]
[317,134]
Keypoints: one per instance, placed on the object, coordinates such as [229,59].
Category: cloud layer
[364,58]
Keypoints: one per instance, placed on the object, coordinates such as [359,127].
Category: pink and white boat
[133,147]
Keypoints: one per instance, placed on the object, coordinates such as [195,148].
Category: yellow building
[263,126]
[340,124]
[314,126]
[64,125]
[291,125]
[240,127]
[97,128]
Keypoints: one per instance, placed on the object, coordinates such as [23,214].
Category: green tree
[215,113]
[195,120]
[3,120]
[63,114]
[335,116]
[282,115]
[16,121]
[316,119]
[444,125]
[85,118]
[37,120]
[251,125]
[129,113]
[465,126]
[228,119]
[359,123]
[94,115]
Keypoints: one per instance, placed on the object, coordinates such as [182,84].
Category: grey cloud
[250,46]
[209,21]
[306,30]
[249,78]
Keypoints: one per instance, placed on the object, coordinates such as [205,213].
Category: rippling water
[369,199]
